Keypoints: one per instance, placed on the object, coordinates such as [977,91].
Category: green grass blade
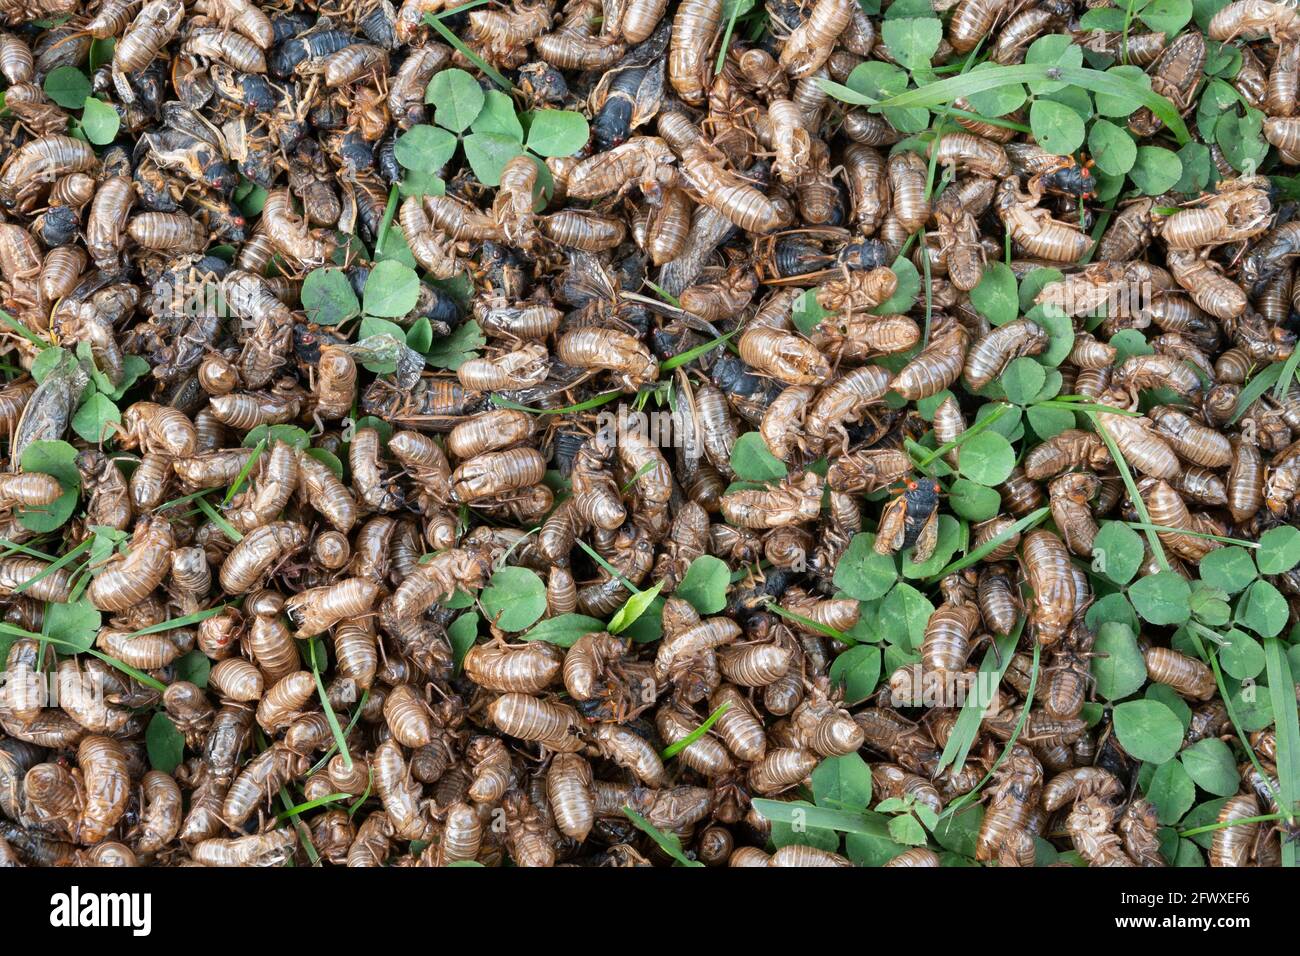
[24,331]
[56,565]
[966,798]
[387,222]
[312,805]
[596,402]
[1256,387]
[726,36]
[969,433]
[1287,374]
[1240,542]
[1243,821]
[469,54]
[1281,688]
[824,818]
[226,527]
[319,765]
[968,723]
[690,355]
[668,842]
[246,470]
[1024,524]
[1130,485]
[808,622]
[1211,658]
[127,669]
[672,750]
[172,623]
[591,553]
[330,717]
[664,294]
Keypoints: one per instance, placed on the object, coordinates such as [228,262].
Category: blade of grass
[1097,231]
[665,295]
[969,433]
[1085,406]
[331,718]
[387,222]
[591,553]
[596,402]
[690,355]
[668,842]
[1253,389]
[990,120]
[1281,688]
[312,805]
[24,331]
[55,565]
[1284,378]
[172,623]
[962,738]
[1028,521]
[462,8]
[1141,526]
[333,748]
[1211,827]
[966,798]
[304,834]
[184,499]
[14,546]
[640,473]
[365,794]
[248,467]
[672,750]
[127,669]
[226,527]
[469,54]
[808,622]
[1130,485]
[825,818]
[1210,657]
[726,34]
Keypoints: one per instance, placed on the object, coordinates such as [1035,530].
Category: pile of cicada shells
[732,193]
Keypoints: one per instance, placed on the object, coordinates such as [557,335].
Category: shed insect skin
[43,160]
[1209,289]
[730,195]
[317,610]
[1046,564]
[629,750]
[696,26]
[1190,678]
[793,502]
[625,357]
[107,782]
[262,849]
[129,578]
[1231,846]
[553,725]
[238,680]
[1255,17]
[811,44]
[523,669]
[1140,445]
[990,355]
[1034,230]
[937,366]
